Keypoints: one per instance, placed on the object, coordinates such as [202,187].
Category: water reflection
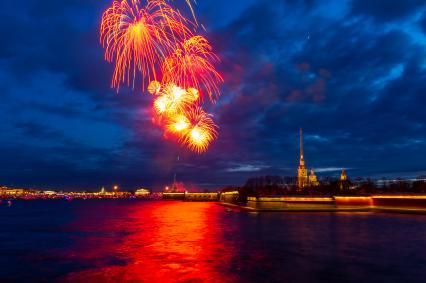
[157,242]
[136,241]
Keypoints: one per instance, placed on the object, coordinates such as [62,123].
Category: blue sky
[351,73]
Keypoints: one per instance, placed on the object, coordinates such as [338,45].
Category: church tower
[313,180]
[344,180]
[343,176]
[302,172]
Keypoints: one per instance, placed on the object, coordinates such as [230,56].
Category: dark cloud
[354,84]
[423,23]
[387,10]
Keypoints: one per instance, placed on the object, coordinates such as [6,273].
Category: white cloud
[316,138]
[247,168]
[329,169]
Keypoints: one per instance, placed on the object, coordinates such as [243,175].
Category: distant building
[142,192]
[344,182]
[302,172]
[313,180]
[11,191]
[343,176]
[265,181]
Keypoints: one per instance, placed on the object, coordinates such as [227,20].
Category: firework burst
[138,39]
[200,132]
[173,99]
[156,41]
[191,65]
[154,87]
[177,125]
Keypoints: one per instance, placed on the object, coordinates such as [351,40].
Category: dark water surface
[162,241]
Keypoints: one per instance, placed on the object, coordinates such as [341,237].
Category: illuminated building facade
[343,176]
[313,180]
[302,172]
[142,193]
[344,182]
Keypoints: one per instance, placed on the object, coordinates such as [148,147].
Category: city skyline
[352,74]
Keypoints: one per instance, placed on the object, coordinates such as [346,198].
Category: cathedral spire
[302,173]
[301,144]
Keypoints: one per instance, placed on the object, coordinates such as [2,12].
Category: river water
[171,241]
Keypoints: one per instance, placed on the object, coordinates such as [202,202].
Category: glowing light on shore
[400,196]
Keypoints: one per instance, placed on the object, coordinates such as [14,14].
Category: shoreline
[401,204]
[397,210]
[409,204]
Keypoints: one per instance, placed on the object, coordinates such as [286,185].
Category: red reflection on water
[154,242]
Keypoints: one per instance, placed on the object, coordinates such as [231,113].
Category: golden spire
[343,176]
[302,173]
[302,162]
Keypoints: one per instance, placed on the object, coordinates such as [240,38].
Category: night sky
[352,74]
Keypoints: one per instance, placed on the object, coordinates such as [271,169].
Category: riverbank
[380,203]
